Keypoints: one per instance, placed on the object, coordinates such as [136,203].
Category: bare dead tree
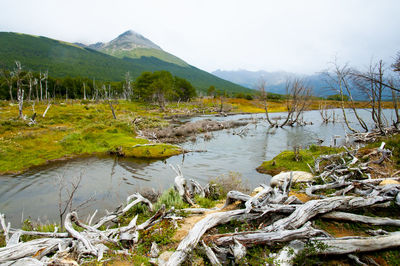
[107,97]
[36,82]
[297,101]
[325,115]
[84,90]
[127,94]
[372,82]
[30,77]
[19,77]
[340,79]
[46,77]
[262,87]
[66,195]
[41,78]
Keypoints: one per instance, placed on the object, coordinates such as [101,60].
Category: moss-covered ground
[290,161]
[77,128]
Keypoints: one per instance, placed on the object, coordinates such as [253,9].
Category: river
[109,180]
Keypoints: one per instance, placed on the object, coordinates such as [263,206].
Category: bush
[221,185]
[204,202]
[170,198]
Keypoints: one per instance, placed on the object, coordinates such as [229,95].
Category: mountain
[133,45]
[275,81]
[102,61]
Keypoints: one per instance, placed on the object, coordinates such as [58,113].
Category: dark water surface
[109,181]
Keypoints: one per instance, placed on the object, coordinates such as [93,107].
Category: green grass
[76,129]
[285,161]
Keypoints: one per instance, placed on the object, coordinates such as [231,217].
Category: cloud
[292,35]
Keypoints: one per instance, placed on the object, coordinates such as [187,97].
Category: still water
[109,180]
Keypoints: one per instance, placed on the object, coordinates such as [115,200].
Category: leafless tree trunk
[298,99]
[29,75]
[127,87]
[339,80]
[84,91]
[373,83]
[41,78]
[46,76]
[262,87]
[17,74]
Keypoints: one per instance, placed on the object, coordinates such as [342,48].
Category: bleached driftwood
[345,216]
[268,238]
[28,249]
[112,216]
[238,250]
[181,185]
[211,255]
[313,207]
[190,241]
[6,228]
[337,246]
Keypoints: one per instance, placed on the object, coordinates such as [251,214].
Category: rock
[154,251]
[256,190]
[298,176]
[164,257]
[389,182]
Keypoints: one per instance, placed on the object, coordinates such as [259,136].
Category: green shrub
[170,198]
[204,202]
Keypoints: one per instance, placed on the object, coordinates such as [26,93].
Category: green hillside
[146,52]
[65,59]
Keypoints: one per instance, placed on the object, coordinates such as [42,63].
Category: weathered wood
[233,196]
[311,208]
[41,234]
[345,216]
[28,249]
[211,255]
[268,238]
[338,246]
[187,245]
[6,228]
[118,213]
[238,250]
[69,219]
[181,185]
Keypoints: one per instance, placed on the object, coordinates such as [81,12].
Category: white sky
[291,35]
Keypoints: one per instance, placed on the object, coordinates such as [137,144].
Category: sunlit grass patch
[285,161]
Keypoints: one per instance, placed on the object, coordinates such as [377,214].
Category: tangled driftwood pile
[280,218]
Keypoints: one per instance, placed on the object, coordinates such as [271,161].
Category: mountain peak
[131,40]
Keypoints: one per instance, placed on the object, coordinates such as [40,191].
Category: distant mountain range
[109,61]
[275,81]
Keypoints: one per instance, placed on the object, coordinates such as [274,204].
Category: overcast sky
[291,35]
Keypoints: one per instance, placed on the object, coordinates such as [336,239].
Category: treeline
[158,86]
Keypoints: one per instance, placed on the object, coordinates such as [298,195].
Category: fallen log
[338,246]
[269,238]
[345,216]
[187,245]
[29,249]
[311,208]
